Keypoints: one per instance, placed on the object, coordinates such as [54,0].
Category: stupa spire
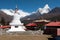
[16,6]
[16,9]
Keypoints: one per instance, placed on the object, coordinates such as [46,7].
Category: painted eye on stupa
[19,13]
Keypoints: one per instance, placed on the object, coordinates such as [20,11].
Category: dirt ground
[24,37]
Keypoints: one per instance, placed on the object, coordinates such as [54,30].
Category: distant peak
[46,6]
[45,9]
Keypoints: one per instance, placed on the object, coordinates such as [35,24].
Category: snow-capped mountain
[38,13]
[45,9]
[23,14]
[11,12]
[8,11]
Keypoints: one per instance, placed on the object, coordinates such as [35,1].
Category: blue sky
[28,5]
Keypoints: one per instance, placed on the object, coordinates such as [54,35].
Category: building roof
[53,24]
[4,26]
[31,24]
[41,21]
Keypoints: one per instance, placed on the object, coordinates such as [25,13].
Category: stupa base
[16,29]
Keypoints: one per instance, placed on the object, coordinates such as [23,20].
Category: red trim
[4,26]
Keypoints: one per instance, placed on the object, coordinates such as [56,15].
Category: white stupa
[16,24]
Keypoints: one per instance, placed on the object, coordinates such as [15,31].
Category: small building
[52,28]
[41,23]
